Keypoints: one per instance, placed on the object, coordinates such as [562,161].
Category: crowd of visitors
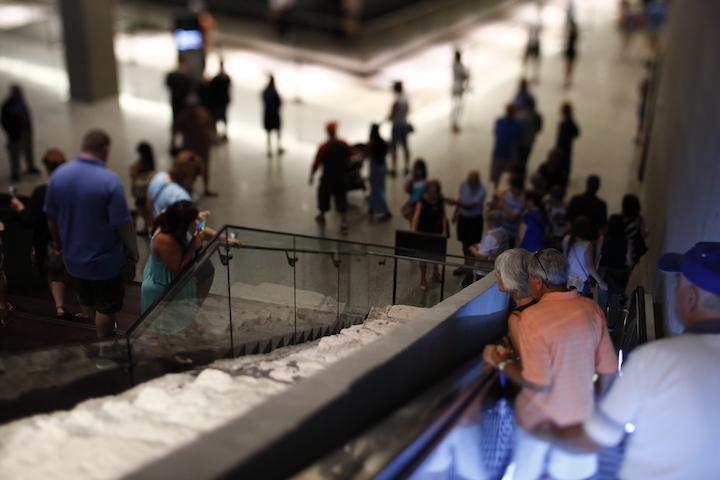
[558,343]
[84,237]
[91,227]
[197,109]
[513,215]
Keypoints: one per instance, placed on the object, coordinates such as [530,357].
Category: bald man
[469,214]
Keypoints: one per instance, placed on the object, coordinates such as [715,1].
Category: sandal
[79,317]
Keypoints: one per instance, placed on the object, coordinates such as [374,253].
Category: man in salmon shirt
[562,342]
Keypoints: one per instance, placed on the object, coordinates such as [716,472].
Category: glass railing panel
[42,380]
[408,290]
[262,298]
[380,279]
[190,325]
[317,280]
[458,275]
[260,237]
[354,283]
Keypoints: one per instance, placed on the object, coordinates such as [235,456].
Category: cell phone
[12,190]
[201,226]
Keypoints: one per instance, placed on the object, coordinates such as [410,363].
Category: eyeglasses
[537,257]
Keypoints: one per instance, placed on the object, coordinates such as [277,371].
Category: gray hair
[551,266]
[512,266]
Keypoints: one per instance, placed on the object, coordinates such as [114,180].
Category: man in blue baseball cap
[669,390]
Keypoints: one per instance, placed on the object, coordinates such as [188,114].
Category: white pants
[456,108]
[533,457]
[458,456]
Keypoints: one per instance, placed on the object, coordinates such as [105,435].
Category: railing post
[131,368]
[442,283]
[229,258]
[295,307]
[395,274]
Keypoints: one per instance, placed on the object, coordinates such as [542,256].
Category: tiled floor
[274,193]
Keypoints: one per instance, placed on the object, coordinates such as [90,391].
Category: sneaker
[104,364]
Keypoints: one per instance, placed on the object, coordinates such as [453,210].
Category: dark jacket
[15,118]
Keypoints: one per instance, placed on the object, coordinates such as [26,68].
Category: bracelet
[501,366]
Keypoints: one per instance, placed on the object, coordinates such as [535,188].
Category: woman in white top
[461,78]
[579,248]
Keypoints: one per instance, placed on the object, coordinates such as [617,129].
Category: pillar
[88,32]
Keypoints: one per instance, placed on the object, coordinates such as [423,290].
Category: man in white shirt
[668,391]
[494,240]
[401,127]
[460,82]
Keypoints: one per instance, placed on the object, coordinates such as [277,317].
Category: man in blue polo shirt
[90,223]
[669,388]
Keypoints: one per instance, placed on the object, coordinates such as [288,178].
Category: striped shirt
[562,340]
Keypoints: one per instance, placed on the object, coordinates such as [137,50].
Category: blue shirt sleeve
[118,213]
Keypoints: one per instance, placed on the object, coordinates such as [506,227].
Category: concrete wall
[682,186]
[320,414]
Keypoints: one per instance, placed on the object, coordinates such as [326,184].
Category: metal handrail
[221,240]
[475,262]
[463,398]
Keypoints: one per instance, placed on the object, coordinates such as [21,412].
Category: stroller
[355,180]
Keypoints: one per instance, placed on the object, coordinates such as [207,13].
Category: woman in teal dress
[177,236]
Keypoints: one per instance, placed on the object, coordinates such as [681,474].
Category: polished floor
[256,191]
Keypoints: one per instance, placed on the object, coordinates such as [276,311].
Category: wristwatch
[501,366]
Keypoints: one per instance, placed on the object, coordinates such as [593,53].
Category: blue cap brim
[671,262]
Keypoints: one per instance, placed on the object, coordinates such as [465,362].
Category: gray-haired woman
[511,270]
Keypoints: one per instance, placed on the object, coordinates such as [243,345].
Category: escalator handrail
[418,451]
[400,443]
